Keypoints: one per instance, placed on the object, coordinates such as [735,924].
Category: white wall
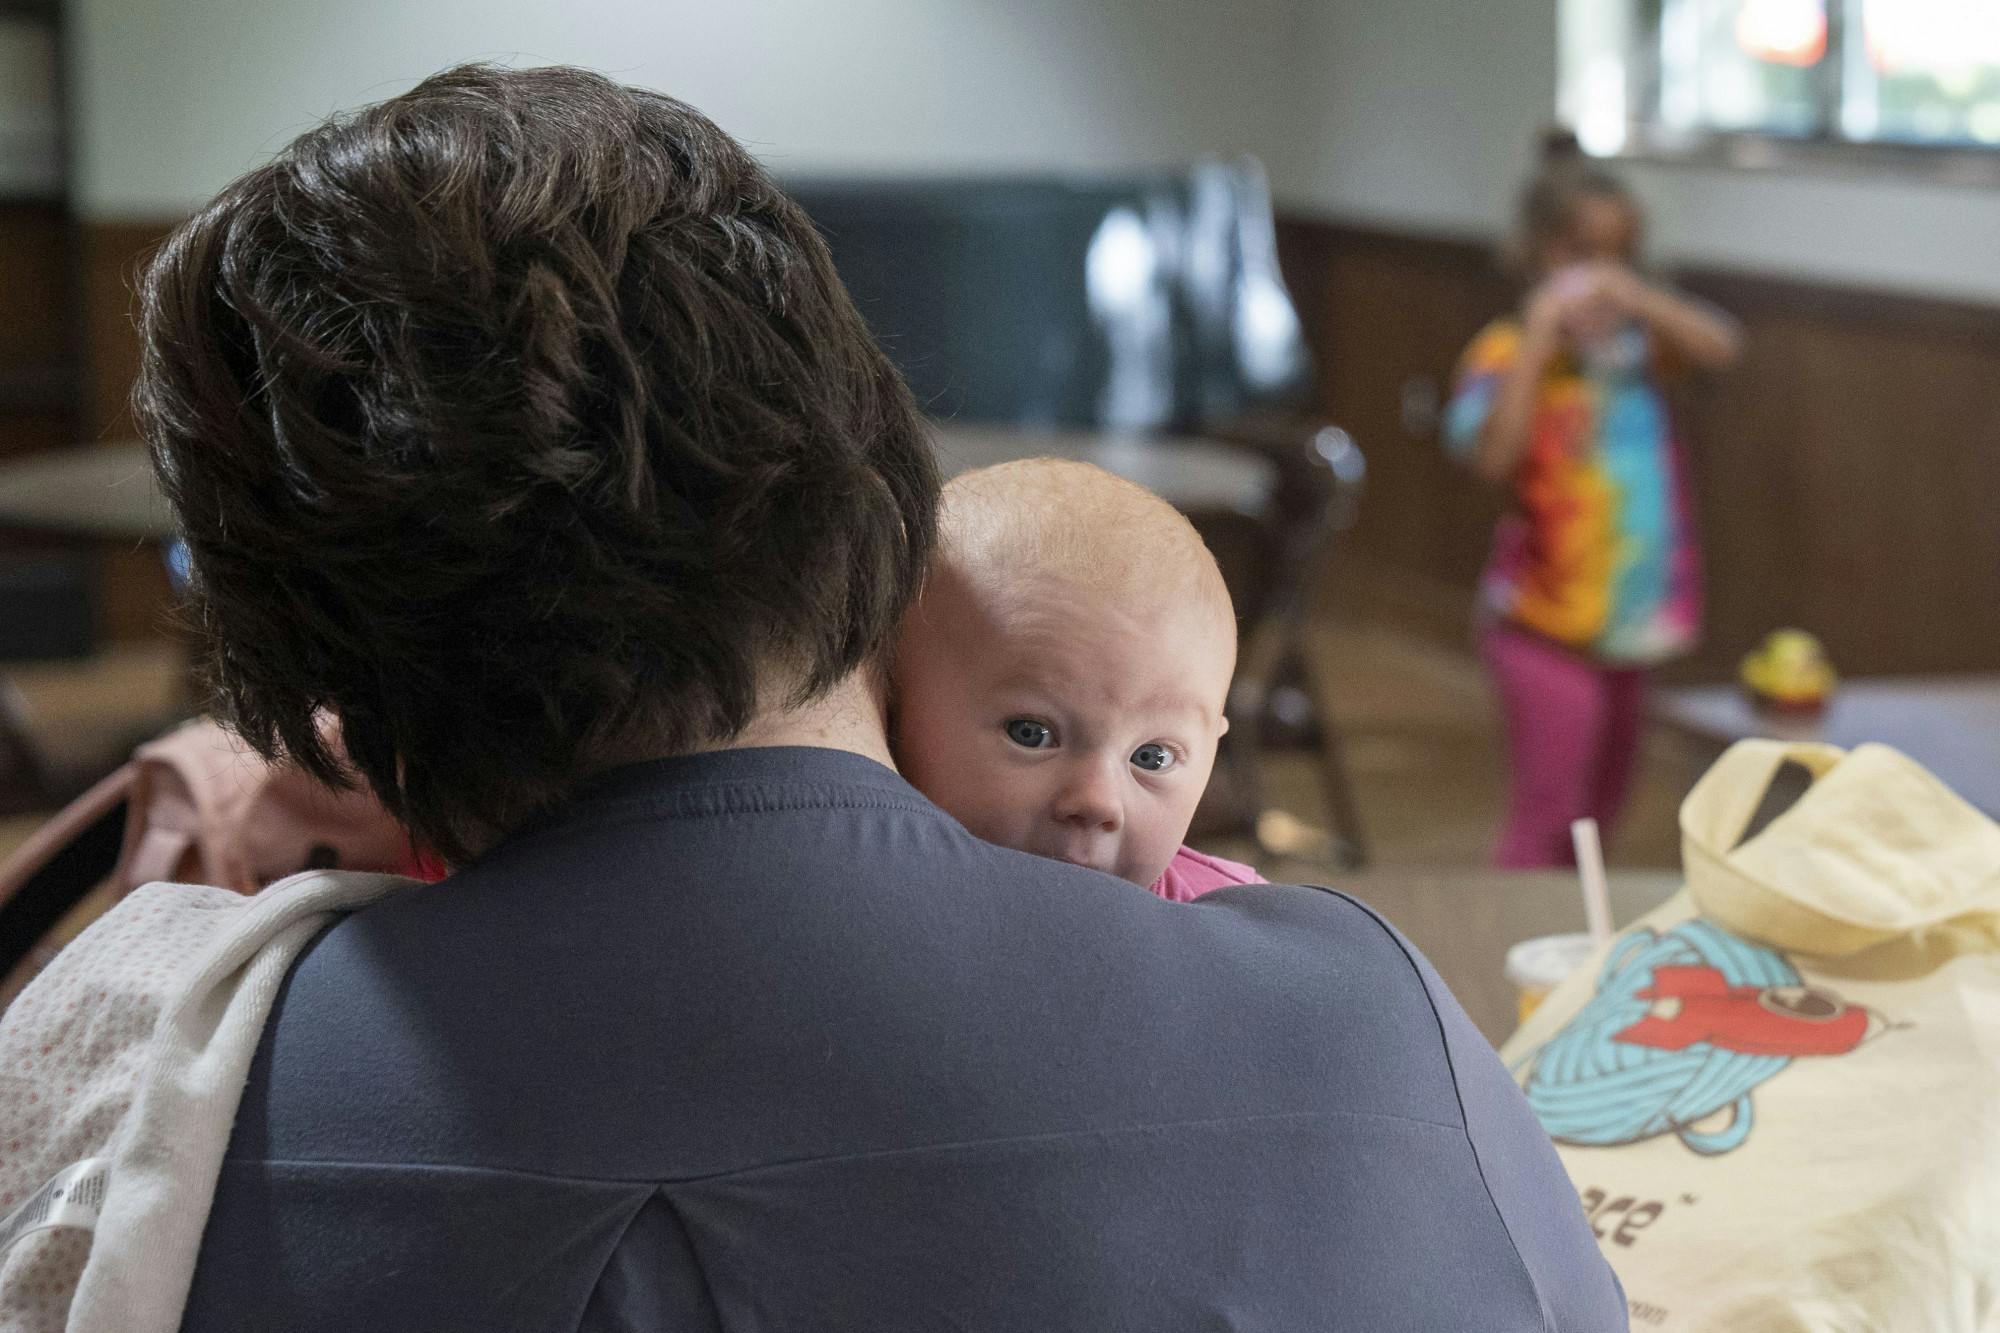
[30,156]
[178,96]
[1423,113]
[1413,113]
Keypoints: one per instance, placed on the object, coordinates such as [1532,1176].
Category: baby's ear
[1222,730]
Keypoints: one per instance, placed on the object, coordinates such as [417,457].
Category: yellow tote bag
[1779,1094]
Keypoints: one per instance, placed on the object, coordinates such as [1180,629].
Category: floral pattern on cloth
[131,1048]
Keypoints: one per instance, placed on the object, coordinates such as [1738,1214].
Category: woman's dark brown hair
[520,421]
[1563,179]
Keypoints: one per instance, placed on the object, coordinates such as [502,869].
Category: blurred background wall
[1422,114]
[1414,114]
[1843,471]
[177,96]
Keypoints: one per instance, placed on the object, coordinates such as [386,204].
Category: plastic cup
[1538,966]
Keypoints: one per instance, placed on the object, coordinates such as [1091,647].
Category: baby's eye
[1154,758]
[1030,734]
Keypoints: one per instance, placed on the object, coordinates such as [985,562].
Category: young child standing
[1059,685]
[1594,575]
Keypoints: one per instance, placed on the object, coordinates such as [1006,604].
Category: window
[30,150]
[1753,78]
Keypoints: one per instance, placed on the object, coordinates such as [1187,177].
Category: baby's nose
[1091,797]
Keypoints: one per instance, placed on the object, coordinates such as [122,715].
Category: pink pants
[1573,730]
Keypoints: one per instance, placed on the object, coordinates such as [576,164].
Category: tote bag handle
[1876,848]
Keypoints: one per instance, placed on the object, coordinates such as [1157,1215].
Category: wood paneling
[134,597]
[34,275]
[112,253]
[1387,318]
[1845,471]
[37,327]
[30,432]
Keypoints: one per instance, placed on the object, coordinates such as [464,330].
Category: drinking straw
[1590,869]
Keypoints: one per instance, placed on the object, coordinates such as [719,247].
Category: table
[1949,724]
[1465,921]
[1189,473]
[99,492]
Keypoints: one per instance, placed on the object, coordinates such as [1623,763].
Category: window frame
[1828,150]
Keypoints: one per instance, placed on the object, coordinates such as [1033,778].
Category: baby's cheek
[978,795]
[945,789]
[1166,825]
[929,750]
[1146,871]
[1149,844]
[989,824]
[1000,800]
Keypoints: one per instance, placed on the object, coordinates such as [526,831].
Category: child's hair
[1563,180]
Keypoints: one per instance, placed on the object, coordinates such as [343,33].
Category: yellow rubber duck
[1789,672]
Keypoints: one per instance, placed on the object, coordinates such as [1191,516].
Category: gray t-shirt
[764,1040]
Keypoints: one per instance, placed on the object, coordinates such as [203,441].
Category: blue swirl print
[1589,1088]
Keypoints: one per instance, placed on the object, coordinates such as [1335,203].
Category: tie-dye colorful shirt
[1598,550]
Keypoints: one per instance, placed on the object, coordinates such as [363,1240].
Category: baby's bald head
[1048,521]
[1059,686]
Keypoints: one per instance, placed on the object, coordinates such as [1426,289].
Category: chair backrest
[58,865]
[206,809]
[1149,302]
[195,806]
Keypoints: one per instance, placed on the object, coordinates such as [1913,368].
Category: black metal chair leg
[1350,849]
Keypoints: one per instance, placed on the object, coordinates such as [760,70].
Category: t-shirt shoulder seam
[1464,1125]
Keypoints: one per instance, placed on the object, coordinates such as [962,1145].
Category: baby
[1060,684]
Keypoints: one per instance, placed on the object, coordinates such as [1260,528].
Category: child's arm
[1704,335]
[1503,437]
